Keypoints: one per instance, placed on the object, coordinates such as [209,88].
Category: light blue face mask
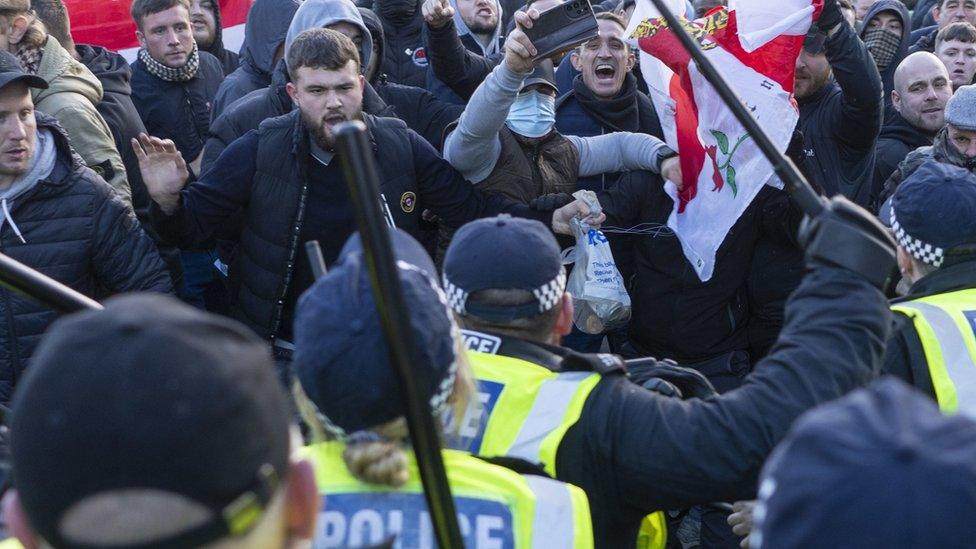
[532,114]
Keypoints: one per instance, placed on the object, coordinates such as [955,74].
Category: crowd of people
[818,390]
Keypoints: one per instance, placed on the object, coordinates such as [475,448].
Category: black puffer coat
[78,232]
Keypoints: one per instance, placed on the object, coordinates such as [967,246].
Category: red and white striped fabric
[108,23]
[754,45]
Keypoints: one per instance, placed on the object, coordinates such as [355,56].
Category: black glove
[551,202]
[660,375]
[830,16]
[846,235]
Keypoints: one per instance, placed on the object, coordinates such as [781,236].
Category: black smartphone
[562,28]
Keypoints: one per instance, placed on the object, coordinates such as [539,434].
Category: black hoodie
[228,59]
[888,75]
[897,139]
[405,58]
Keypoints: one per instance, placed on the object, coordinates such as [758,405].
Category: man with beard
[922,88]
[286,183]
[207,31]
[417,107]
[955,46]
[839,91]
[954,144]
[478,25]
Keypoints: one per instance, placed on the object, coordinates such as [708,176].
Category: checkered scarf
[883,45]
[30,58]
[169,74]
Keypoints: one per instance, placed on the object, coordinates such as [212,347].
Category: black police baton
[20,278]
[799,188]
[359,168]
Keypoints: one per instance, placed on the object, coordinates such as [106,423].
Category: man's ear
[896,100]
[302,500]
[936,10]
[18,28]
[564,324]
[292,92]
[362,82]
[631,59]
[17,523]
[141,38]
[574,58]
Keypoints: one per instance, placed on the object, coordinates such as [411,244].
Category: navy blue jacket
[178,110]
[78,232]
[841,122]
[413,178]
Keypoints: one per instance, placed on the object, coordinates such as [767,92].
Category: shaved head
[922,88]
[916,64]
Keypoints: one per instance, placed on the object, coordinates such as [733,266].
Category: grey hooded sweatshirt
[264,32]
[315,14]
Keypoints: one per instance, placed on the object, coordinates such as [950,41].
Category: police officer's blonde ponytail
[380,458]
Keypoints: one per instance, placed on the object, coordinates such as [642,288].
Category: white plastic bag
[600,300]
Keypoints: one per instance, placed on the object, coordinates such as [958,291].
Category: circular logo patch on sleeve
[408,201]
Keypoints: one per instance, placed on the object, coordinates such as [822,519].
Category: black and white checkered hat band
[548,295]
[926,253]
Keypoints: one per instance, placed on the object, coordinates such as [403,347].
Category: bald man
[921,89]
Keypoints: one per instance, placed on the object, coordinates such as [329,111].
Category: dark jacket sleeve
[422,111]
[622,203]
[858,120]
[223,132]
[663,453]
[462,70]
[212,203]
[124,258]
[445,191]
[904,357]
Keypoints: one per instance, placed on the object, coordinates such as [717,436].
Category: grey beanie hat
[960,111]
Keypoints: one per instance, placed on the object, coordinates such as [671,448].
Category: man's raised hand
[163,170]
[437,13]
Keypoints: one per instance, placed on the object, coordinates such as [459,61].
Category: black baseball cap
[12,71]
[544,73]
[149,394]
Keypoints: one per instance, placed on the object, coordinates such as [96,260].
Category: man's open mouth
[605,71]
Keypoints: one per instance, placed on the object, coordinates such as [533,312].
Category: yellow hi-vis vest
[525,411]
[946,326]
[497,507]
